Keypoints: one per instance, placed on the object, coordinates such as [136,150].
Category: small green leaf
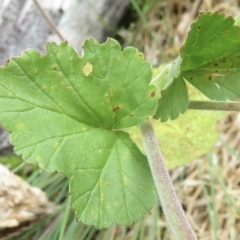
[167,74]
[211,56]
[189,136]
[63,112]
[174,100]
[174,95]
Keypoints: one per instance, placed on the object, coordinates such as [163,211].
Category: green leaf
[174,100]
[189,136]
[122,170]
[211,56]
[64,112]
[166,74]
[174,94]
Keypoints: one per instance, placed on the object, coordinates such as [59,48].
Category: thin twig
[48,20]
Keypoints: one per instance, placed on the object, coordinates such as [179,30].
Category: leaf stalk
[171,206]
[214,105]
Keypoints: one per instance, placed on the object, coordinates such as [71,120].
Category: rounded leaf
[63,111]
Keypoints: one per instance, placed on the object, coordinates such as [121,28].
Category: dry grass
[210,190]
[162,28]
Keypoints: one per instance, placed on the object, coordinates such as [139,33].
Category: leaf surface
[174,100]
[122,171]
[64,113]
[211,56]
[187,137]
[174,94]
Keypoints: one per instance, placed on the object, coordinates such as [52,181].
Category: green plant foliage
[164,75]
[209,60]
[190,135]
[65,113]
[174,100]
[174,94]
[211,56]
[181,142]
[187,137]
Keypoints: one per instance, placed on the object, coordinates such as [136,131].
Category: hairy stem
[208,105]
[171,206]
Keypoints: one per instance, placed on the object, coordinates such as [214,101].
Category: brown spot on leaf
[153,93]
[116,108]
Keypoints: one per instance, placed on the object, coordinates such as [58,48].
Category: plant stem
[211,105]
[171,206]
